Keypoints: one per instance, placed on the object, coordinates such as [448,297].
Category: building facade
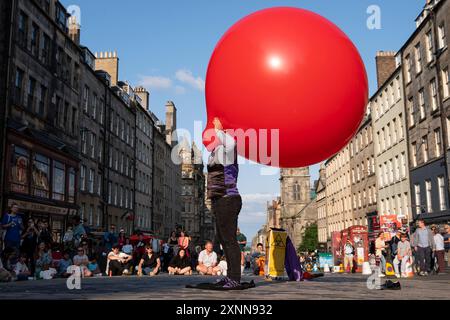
[192,191]
[144,162]
[40,112]
[391,147]
[321,200]
[362,163]
[424,59]
[338,191]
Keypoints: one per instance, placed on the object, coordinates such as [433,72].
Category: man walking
[423,243]
[439,249]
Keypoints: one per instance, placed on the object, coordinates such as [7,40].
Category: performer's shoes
[222,282]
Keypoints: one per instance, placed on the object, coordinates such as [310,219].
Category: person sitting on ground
[257,256]
[180,264]
[64,263]
[127,247]
[207,260]
[150,263]
[43,258]
[5,275]
[94,268]
[119,263]
[403,254]
[81,260]
[21,268]
[222,267]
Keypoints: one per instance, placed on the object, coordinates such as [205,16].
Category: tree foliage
[310,240]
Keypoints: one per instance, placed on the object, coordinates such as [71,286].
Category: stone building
[390,143]
[208,226]
[167,176]
[40,90]
[274,213]
[424,59]
[91,146]
[321,200]
[144,162]
[338,191]
[362,164]
[297,208]
[192,191]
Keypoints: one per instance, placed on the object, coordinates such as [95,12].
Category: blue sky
[166,46]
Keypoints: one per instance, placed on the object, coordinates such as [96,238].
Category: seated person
[150,263]
[257,258]
[94,268]
[207,260]
[119,263]
[64,263]
[5,275]
[180,264]
[222,267]
[127,247]
[81,260]
[21,269]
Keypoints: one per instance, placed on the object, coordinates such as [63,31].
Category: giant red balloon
[293,70]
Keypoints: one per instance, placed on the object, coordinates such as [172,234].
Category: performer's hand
[217,124]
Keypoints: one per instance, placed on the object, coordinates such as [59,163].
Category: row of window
[387,99]
[416,62]
[389,135]
[40,176]
[392,171]
[93,217]
[121,162]
[120,196]
[144,124]
[89,181]
[143,182]
[428,205]
[361,140]
[395,205]
[143,216]
[367,168]
[143,152]
[35,99]
[423,147]
[421,111]
[93,106]
[121,129]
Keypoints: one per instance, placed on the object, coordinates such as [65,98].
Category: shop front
[41,180]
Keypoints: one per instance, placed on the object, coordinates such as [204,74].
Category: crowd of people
[424,251]
[29,253]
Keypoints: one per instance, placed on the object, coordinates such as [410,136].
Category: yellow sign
[276,251]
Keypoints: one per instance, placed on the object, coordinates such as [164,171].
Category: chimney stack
[142,93]
[74,30]
[171,121]
[385,61]
[108,62]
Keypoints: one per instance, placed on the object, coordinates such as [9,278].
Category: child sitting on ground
[94,268]
[21,269]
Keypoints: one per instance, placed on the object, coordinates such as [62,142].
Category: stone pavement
[331,286]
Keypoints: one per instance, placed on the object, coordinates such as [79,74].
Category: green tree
[310,240]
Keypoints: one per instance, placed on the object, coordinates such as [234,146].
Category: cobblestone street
[163,287]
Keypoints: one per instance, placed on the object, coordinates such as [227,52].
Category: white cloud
[180,90]
[258,197]
[254,212]
[155,82]
[186,76]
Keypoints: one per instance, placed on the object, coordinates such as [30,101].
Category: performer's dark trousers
[226,210]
